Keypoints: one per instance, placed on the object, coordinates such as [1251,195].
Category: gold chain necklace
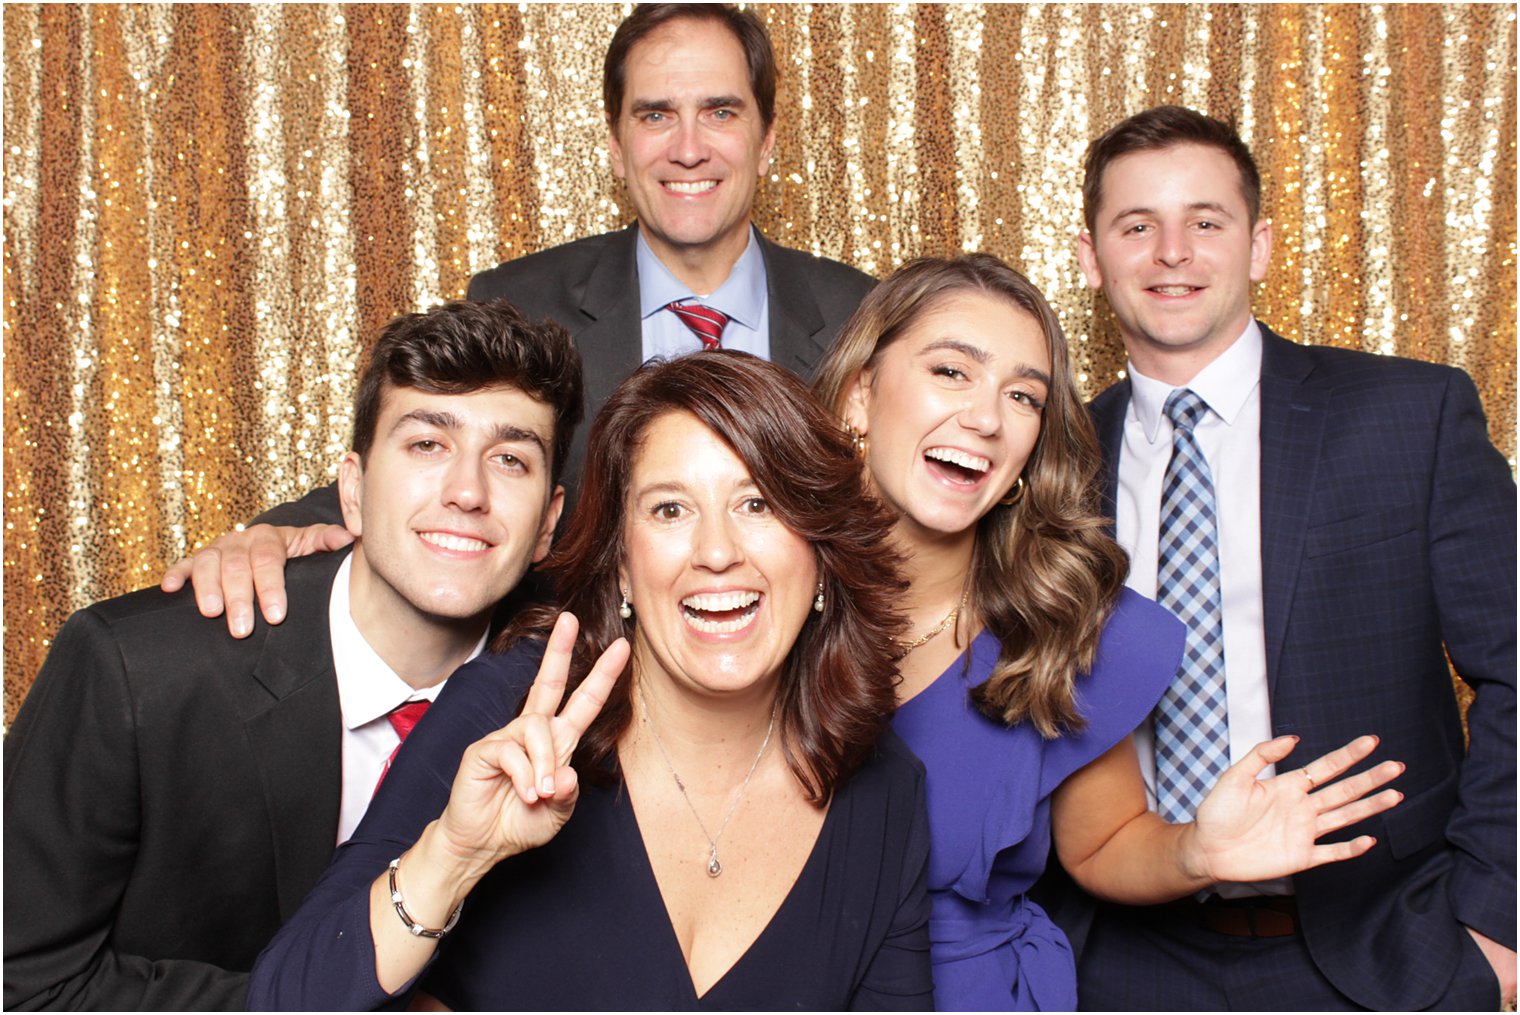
[714,868]
[908,646]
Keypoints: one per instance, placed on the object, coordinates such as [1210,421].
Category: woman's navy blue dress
[580,924]
[989,810]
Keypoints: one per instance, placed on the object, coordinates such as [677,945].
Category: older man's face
[689,141]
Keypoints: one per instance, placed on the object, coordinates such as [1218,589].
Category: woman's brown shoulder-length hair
[1045,572]
[838,684]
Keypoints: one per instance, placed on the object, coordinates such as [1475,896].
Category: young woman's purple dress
[989,790]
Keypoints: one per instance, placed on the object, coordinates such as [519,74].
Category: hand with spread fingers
[513,792]
[515,789]
[1251,829]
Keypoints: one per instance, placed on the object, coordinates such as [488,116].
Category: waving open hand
[1251,830]
[515,789]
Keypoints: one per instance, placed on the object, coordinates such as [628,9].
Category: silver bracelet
[417,929]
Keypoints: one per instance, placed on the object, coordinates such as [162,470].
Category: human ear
[767,149]
[615,150]
[351,492]
[857,398]
[550,520]
[1261,249]
[1087,257]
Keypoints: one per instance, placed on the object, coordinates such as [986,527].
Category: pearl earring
[818,600]
[624,609]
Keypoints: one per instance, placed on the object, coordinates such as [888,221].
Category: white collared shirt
[743,298]
[1230,439]
[368,690]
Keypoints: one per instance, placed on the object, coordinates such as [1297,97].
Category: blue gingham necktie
[1191,722]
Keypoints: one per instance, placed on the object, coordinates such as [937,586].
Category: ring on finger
[1312,784]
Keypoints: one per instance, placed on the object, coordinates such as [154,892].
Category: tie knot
[404,717]
[705,322]
[1184,408]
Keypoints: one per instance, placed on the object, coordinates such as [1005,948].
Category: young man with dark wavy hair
[171,794]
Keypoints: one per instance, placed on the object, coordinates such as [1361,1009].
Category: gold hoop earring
[1015,494]
[857,440]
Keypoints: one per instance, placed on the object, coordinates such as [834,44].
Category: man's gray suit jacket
[591,286]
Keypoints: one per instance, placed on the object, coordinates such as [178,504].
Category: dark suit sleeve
[72,825]
[320,507]
[1472,550]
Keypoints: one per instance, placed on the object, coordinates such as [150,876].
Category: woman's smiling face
[719,586]
[952,409]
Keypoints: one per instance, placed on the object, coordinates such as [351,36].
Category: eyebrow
[956,345]
[638,106]
[980,355]
[671,486]
[1213,206]
[504,433]
[651,106]
[659,488]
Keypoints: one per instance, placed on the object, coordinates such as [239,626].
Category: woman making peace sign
[729,825]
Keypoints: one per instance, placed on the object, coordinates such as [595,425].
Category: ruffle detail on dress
[1138,655]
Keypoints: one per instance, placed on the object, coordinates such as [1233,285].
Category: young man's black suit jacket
[171,794]
[1387,541]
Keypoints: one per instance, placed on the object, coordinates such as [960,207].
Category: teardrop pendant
[714,868]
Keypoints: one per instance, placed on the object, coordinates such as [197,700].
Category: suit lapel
[611,342]
[796,320]
[1292,426]
[1108,411]
[295,733]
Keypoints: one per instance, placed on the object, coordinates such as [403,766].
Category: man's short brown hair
[1158,129]
[646,18]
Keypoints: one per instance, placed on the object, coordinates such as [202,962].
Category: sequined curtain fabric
[209,209]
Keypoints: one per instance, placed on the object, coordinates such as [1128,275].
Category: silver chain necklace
[714,868]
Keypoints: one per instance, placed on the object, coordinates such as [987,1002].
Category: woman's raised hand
[1250,829]
[515,789]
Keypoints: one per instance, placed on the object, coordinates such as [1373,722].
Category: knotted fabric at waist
[1011,948]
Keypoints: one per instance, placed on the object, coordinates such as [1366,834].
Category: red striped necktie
[403,718]
[705,322]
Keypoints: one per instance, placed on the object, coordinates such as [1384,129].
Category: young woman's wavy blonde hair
[1046,571]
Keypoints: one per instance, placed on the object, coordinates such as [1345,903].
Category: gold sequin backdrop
[209,209]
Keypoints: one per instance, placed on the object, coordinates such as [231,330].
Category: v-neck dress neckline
[807,874]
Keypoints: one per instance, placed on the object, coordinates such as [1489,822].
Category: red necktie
[705,322]
[403,718]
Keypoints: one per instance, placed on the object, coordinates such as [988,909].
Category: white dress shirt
[1230,439]
[368,690]
[743,298]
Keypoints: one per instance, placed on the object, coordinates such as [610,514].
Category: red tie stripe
[403,718]
[705,322]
